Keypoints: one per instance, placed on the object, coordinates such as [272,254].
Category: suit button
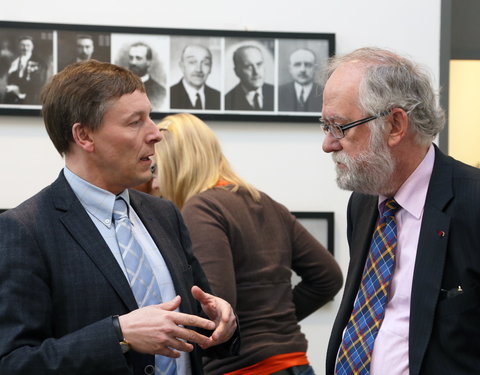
[149,370]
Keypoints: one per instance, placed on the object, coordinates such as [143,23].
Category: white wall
[284,160]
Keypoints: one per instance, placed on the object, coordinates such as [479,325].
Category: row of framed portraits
[216,74]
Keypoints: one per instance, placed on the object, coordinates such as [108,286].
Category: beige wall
[463,118]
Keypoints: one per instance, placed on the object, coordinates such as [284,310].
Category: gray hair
[392,81]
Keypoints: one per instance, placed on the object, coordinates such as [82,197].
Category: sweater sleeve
[321,276]
[210,243]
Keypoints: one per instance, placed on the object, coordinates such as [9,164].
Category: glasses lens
[336,131]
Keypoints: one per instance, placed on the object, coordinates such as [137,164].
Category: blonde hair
[190,160]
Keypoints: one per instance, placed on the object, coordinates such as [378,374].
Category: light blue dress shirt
[99,205]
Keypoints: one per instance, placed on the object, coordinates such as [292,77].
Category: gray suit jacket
[60,285]
[288,101]
[444,330]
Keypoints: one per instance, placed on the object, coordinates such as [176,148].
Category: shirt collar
[145,78]
[96,201]
[192,91]
[412,194]
[306,89]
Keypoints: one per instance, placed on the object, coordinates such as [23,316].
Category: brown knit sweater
[248,251]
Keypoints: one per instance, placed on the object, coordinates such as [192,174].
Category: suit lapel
[83,230]
[430,260]
[362,215]
[360,240]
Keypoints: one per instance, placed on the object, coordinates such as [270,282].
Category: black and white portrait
[300,62]
[195,72]
[74,46]
[249,74]
[147,56]
[25,65]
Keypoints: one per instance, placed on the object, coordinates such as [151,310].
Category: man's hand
[219,311]
[157,329]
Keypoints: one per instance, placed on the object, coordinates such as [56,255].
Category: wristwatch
[124,345]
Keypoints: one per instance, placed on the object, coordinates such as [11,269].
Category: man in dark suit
[251,93]
[192,92]
[139,61]
[430,321]
[26,75]
[302,94]
[66,301]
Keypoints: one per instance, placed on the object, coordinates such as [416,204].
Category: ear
[398,121]
[235,69]
[82,137]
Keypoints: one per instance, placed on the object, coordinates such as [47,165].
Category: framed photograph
[215,74]
[320,225]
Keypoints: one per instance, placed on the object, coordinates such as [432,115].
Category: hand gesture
[220,312]
[158,329]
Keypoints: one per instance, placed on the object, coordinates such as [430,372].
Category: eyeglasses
[338,131]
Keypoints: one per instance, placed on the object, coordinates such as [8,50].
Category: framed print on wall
[320,225]
[215,74]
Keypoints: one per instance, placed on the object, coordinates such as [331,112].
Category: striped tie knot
[120,210]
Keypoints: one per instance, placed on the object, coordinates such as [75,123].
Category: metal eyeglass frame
[338,131]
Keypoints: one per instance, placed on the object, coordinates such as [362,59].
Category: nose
[330,143]
[155,134]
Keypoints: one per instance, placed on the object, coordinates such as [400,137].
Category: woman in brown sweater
[248,245]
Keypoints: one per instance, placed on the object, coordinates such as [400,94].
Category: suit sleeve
[29,343]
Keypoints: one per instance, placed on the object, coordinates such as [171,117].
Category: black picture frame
[320,225]
[52,50]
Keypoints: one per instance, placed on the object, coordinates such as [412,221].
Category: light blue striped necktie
[140,275]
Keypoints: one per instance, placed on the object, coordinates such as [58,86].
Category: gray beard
[368,173]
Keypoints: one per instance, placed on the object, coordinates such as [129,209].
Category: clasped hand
[158,329]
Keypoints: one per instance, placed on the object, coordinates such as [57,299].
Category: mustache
[340,157]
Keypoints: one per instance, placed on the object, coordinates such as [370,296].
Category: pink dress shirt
[390,351]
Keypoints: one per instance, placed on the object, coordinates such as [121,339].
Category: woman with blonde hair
[248,245]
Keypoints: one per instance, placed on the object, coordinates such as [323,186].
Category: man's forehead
[302,55]
[342,89]
[195,52]
[138,51]
[345,77]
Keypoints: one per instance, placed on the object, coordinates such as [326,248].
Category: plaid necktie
[355,352]
[140,275]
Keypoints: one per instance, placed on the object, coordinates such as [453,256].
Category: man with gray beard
[411,304]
